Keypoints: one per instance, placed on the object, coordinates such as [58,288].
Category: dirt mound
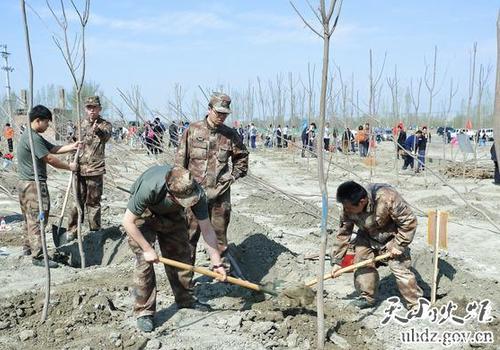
[286,212]
[435,202]
[77,318]
[454,282]
[466,212]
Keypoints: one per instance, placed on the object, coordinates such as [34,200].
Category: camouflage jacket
[91,157]
[205,152]
[387,217]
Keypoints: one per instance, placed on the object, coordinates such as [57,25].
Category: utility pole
[7,69]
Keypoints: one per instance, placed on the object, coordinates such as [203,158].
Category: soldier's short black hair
[350,192]
[41,112]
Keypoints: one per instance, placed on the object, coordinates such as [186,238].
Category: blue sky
[155,44]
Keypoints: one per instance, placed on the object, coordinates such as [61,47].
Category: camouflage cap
[182,186]
[93,101]
[220,102]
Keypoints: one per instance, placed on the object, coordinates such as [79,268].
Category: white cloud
[98,44]
[172,23]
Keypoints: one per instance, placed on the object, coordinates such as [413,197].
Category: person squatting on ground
[205,150]
[385,222]
[155,212]
[40,117]
[95,133]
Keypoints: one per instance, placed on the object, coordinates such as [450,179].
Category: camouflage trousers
[172,236]
[89,193]
[28,199]
[366,279]
[219,212]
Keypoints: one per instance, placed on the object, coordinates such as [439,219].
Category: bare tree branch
[305,22]
[336,18]
[313,10]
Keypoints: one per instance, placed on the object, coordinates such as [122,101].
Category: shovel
[58,233]
[349,268]
[210,273]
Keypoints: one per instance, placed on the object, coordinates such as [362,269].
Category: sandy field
[275,234]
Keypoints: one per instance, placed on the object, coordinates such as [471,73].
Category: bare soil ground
[272,236]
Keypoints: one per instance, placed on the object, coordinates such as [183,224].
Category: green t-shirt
[149,191]
[41,147]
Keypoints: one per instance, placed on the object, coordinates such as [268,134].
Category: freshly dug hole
[102,248]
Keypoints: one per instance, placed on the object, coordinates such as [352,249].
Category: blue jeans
[421,160]
[252,141]
[363,149]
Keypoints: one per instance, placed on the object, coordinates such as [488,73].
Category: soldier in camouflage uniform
[155,211]
[385,222]
[95,133]
[44,151]
[205,150]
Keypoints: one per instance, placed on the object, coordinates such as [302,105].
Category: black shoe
[362,303]
[196,305]
[41,263]
[145,323]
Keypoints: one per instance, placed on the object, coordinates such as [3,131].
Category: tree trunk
[35,169]
[76,184]
[324,194]
[496,114]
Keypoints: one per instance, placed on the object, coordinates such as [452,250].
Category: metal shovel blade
[59,236]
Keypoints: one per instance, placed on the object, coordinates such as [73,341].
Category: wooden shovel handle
[349,268]
[68,190]
[210,273]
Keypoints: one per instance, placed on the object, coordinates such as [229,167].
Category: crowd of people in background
[410,146]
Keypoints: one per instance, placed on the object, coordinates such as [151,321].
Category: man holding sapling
[40,117]
[385,223]
[155,211]
[96,131]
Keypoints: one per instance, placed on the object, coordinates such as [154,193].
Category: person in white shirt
[253,135]
[326,137]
